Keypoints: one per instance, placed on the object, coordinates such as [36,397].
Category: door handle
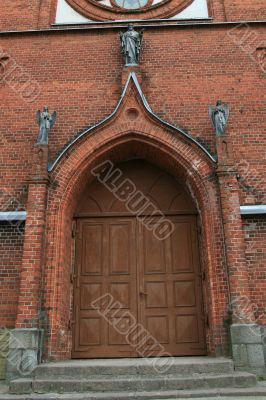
[141,292]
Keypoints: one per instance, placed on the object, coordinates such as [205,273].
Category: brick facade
[80,74]
[255,238]
[11,246]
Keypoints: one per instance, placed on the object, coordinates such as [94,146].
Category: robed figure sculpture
[131,43]
[45,121]
[219,116]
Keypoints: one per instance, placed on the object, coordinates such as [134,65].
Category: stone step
[134,366]
[133,383]
[253,393]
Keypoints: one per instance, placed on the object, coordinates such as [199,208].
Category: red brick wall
[245,10]
[184,70]
[11,242]
[255,236]
[19,14]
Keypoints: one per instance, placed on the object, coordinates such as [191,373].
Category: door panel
[119,243]
[170,305]
[181,242]
[106,263]
[156,282]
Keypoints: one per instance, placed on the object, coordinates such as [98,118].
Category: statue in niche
[46,121]
[219,116]
[131,43]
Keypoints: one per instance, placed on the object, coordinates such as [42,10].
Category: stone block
[16,364]
[29,361]
[25,352]
[4,334]
[2,368]
[4,343]
[245,333]
[240,355]
[24,339]
[20,386]
[248,348]
[21,362]
[14,359]
[255,355]
[4,349]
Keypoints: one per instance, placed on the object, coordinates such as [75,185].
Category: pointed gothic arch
[145,137]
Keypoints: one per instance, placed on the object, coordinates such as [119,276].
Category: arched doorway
[154,280]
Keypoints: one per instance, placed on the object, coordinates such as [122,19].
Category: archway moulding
[132,131]
[132,121]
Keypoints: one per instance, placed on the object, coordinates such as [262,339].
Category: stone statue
[219,116]
[131,43]
[45,121]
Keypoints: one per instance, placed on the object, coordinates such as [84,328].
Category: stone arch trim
[115,142]
[132,99]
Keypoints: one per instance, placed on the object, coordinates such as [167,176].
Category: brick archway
[156,145]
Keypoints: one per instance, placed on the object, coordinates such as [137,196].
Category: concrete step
[256,392]
[134,366]
[133,383]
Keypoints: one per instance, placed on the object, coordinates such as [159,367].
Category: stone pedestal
[24,352]
[248,348]
[131,68]
[4,349]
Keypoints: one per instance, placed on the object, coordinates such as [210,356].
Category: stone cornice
[158,23]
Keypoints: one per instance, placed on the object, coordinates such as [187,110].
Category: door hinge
[205,318]
[73,276]
[74,229]
[202,274]
[71,322]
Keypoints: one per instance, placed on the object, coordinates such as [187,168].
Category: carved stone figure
[45,121]
[131,43]
[219,116]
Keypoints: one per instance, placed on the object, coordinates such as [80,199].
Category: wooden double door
[151,286]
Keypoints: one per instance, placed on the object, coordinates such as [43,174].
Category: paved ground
[228,398]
